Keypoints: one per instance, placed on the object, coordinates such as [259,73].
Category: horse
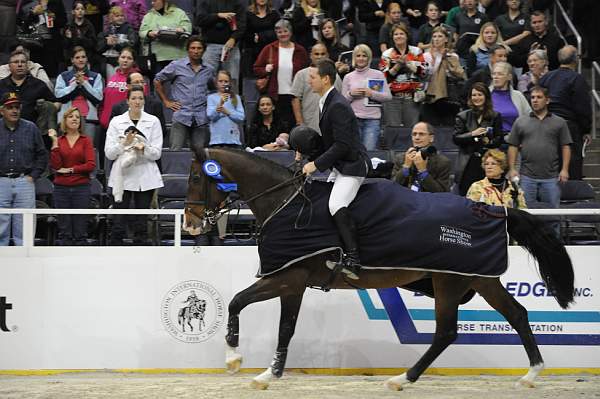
[267,187]
[194,311]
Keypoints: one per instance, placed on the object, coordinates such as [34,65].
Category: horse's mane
[276,170]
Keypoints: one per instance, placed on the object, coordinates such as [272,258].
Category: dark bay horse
[267,186]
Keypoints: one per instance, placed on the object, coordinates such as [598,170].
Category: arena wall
[118,308]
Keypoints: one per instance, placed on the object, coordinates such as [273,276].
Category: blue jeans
[369,130]
[199,136]
[14,193]
[72,227]
[542,190]
[212,57]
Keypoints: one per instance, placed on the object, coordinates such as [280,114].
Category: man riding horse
[344,154]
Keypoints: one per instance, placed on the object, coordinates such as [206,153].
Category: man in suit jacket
[343,154]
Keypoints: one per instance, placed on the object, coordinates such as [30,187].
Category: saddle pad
[398,228]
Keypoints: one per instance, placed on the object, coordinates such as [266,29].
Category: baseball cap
[10,98]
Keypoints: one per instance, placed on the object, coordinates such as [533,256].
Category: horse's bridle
[211,216]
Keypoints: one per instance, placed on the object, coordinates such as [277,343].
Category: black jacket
[217,30]
[466,122]
[366,14]
[341,140]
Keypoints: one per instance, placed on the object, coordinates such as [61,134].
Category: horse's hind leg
[290,307]
[449,290]
[498,298]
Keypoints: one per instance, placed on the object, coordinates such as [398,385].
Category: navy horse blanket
[398,228]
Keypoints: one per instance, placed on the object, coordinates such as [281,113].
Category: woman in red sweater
[72,158]
[281,60]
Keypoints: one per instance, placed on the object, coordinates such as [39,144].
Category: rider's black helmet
[306,141]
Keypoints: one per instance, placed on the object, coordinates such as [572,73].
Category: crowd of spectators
[124,78]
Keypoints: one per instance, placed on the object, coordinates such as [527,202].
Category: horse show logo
[192,311]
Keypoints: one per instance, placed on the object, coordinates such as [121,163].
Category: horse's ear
[199,153]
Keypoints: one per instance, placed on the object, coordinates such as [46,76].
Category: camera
[489,133]
[426,151]
[227,89]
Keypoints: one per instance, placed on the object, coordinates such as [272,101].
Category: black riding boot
[349,236]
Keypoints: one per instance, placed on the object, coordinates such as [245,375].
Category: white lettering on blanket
[453,235]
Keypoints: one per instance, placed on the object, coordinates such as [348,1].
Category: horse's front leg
[290,307]
[264,289]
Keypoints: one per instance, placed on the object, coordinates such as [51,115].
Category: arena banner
[159,307]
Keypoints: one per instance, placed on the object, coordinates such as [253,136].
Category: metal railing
[558,7]
[29,217]
[595,97]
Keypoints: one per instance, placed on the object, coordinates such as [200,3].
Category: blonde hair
[116,9]
[306,7]
[362,48]
[497,156]
[63,121]
[479,41]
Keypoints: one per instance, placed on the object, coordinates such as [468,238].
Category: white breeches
[344,190]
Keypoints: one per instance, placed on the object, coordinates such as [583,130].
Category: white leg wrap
[398,382]
[233,360]
[527,379]
[261,381]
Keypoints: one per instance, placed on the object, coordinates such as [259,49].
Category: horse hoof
[234,364]
[524,384]
[393,386]
[259,385]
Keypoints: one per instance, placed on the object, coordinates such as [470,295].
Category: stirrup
[351,274]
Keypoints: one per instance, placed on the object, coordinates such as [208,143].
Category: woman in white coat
[134,142]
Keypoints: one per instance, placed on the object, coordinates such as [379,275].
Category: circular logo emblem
[521,22]
[192,311]
[477,21]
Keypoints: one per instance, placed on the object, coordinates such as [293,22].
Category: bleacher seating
[176,162]
[578,194]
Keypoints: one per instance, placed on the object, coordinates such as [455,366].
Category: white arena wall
[116,308]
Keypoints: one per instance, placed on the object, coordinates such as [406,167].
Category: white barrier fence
[29,216]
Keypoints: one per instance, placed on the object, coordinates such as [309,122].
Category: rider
[343,154]
[192,299]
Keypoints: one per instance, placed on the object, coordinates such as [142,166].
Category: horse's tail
[553,260]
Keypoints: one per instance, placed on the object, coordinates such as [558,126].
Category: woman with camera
[494,188]
[476,130]
[167,27]
[404,67]
[225,112]
[134,142]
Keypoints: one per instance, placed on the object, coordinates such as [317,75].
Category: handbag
[262,84]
